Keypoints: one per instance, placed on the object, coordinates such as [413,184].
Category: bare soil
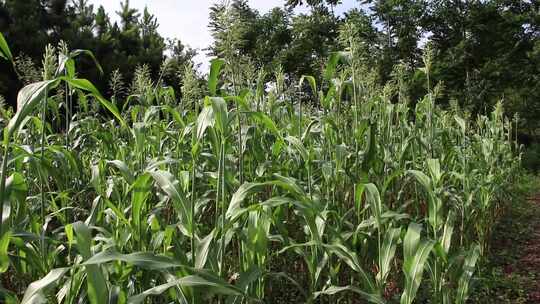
[511,274]
[529,262]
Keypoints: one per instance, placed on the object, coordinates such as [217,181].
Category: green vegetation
[334,188]
[511,272]
[485,51]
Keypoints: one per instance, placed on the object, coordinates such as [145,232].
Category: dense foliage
[486,51]
[121,46]
[334,188]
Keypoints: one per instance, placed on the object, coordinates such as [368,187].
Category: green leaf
[35,293]
[299,147]
[266,121]
[215,69]
[448,231]
[69,234]
[96,283]
[271,203]
[140,191]
[307,131]
[330,94]
[208,281]
[332,290]
[311,81]
[468,269]
[240,194]
[331,65]
[86,85]
[422,178]
[16,191]
[4,49]
[290,184]
[175,115]
[88,53]
[434,167]
[67,63]
[141,259]
[350,257]
[249,276]
[4,245]
[203,248]
[124,169]
[28,98]
[374,199]
[170,186]
[461,123]
[358,194]
[387,253]
[221,115]
[434,203]
[411,240]
[205,120]
[370,152]
[415,253]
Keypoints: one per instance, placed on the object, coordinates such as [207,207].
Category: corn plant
[328,189]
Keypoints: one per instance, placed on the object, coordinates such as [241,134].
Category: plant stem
[3,176]
[192,211]
[42,182]
[222,246]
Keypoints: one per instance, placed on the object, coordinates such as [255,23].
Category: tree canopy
[484,51]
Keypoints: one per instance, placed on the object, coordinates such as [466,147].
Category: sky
[187,20]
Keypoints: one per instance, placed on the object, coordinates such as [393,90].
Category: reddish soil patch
[530,258]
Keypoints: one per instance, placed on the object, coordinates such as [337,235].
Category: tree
[314,37]
[19,20]
[312,3]
[300,44]
[401,32]
[274,37]
[234,29]
[180,58]
[123,47]
[483,50]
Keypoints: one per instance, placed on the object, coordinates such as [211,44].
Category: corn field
[331,189]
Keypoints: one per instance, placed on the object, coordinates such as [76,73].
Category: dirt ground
[512,271]
[530,258]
